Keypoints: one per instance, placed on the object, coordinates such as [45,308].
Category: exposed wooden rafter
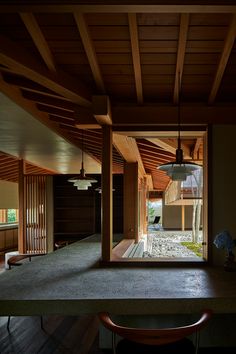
[15,95]
[183,32]
[133,29]
[228,45]
[90,51]
[14,56]
[129,150]
[171,146]
[39,40]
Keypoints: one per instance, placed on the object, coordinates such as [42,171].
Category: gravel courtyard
[168,244]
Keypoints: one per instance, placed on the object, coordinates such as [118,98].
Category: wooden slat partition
[35,214]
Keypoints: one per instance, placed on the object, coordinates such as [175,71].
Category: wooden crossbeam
[228,45]
[96,7]
[133,29]
[39,40]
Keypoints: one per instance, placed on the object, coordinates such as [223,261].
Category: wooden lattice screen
[35,217]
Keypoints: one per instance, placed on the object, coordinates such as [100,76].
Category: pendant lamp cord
[83,148]
[179,142]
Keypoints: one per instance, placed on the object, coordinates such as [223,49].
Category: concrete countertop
[71,281]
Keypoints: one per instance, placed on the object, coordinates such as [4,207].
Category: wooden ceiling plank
[90,50]
[133,29]
[38,39]
[228,45]
[183,33]
[128,148]
[171,146]
[14,56]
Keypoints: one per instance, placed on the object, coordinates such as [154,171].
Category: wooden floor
[71,334]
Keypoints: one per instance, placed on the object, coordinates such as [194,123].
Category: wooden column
[183,217]
[144,200]
[131,209]
[22,209]
[107,215]
[49,214]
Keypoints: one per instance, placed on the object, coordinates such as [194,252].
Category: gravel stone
[167,244]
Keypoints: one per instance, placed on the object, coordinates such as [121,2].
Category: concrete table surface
[70,281]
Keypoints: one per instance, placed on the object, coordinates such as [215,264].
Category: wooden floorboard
[70,334]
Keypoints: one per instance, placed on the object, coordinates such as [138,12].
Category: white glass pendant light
[81,181]
[179,169]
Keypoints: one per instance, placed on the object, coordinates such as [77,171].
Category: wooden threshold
[120,249]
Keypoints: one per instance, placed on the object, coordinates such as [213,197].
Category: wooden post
[131,199]
[107,212]
[22,209]
[183,216]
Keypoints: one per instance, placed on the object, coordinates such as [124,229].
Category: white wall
[172,216]
[8,195]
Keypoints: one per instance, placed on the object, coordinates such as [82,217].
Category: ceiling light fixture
[81,181]
[179,169]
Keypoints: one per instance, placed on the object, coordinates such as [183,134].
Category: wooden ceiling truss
[78,66]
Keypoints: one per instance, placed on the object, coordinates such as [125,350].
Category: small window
[8,216]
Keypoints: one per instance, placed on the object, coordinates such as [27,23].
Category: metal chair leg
[8,323]
[41,322]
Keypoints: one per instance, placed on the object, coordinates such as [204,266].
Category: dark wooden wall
[77,214]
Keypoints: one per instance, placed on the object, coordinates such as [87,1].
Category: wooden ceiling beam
[55,111]
[14,56]
[197,145]
[38,39]
[31,86]
[133,30]
[89,50]
[183,33]
[49,101]
[228,45]
[149,181]
[164,116]
[128,148]
[96,7]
